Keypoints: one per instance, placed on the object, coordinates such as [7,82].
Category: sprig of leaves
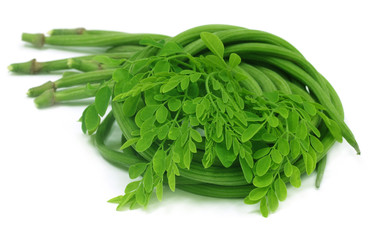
[183,105]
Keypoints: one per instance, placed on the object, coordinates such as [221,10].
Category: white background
[54,184]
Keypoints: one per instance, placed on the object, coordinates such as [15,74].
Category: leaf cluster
[184,106]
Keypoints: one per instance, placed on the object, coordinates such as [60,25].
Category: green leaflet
[272,96]
[226,157]
[295,177]
[273,121]
[272,200]
[194,77]
[145,142]
[283,111]
[335,130]
[91,119]
[215,61]
[283,146]
[234,60]
[129,142]
[295,148]
[310,108]
[258,193]
[293,121]
[269,137]
[189,107]
[159,190]
[159,162]
[131,187]
[247,171]
[130,105]
[213,43]
[195,135]
[263,207]
[288,169]
[263,181]
[162,66]
[261,152]
[316,144]
[136,170]
[263,165]
[250,132]
[174,104]
[280,189]
[276,156]
[163,131]
[170,48]
[171,181]
[172,83]
[301,131]
[161,114]
[309,163]
[148,179]
[141,196]
[295,98]
[102,100]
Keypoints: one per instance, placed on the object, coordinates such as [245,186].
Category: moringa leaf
[92,119]
[196,136]
[273,121]
[309,163]
[263,181]
[130,105]
[102,100]
[283,111]
[261,152]
[335,130]
[316,144]
[295,148]
[276,156]
[137,169]
[272,96]
[263,165]
[162,66]
[269,137]
[272,200]
[148,179]
[250,132]
[263,207]
[301,131]
[293,121]
[213,43]
[310,108]
[145,142]
[280,189]
[161,114]
[129,142]
[131,187]
[246,170]
[226,157]
[234,60]
[288,169]
[170,48]
[215,61]
[283,146]
[159,190]
[141,196]
[159,162]
[295,177]
[258,193]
